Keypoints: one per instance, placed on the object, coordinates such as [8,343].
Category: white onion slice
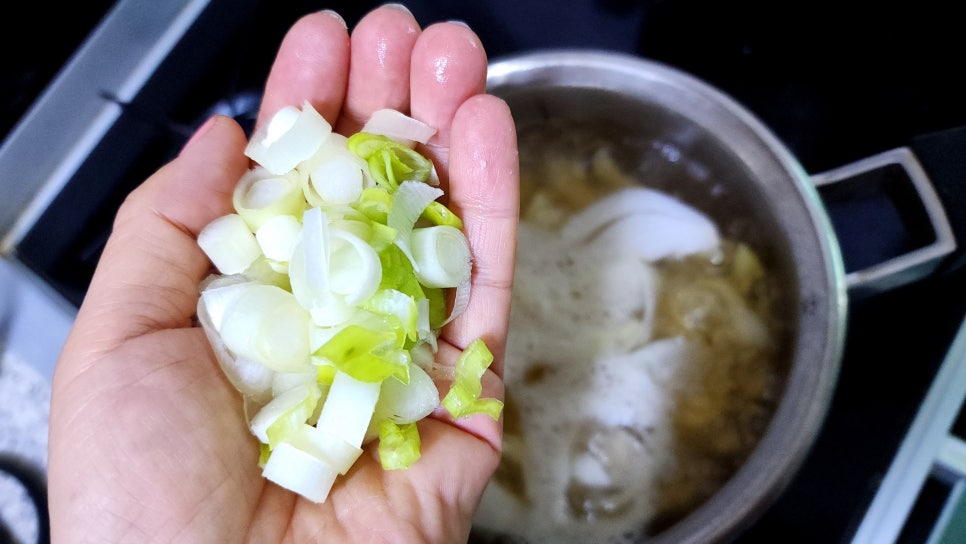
[284,381]
[309,265]
[399,126]
[330,298]
[336,452]
[629,201]
[251,378]
[278,236]
[290,137]
[338,181]
[407,402]
[654,237]
[443,255]
[334,175]
[332,310]
[461,300]
[348,408]
[424,330]
[301,472]
[218,296]
[638,213]
[229,244]
[267,324]
[261,195]
[410,199]
[355,270]
[424,355]
[278,406]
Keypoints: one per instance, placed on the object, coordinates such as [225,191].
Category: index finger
[312,64]
[381,49]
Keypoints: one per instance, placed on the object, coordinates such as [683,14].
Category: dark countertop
[34,54]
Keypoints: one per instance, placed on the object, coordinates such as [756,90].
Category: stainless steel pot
[714,144]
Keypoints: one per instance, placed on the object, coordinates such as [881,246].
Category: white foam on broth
[605,392]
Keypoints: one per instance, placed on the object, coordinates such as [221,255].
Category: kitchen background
[835,80]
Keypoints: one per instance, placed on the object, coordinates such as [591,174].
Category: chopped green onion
[390,162]
[407,402]
[299,471]
[398,445]
[266,323]
[463,398]
[300,399]
[290,137]
[438,214]
[366,354]
[332,284]
[333,175]
[260,195]
[294,418]
[348,408]
[229,243]
[442,256]
[409,201]
[398,126]
[277,237]
[337,453]
[396,304]
[374,203]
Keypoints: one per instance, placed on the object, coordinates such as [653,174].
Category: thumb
[147,277]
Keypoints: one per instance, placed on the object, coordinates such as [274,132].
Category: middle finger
[381,46]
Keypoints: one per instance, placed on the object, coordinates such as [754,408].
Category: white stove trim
[928,449]
[72,115]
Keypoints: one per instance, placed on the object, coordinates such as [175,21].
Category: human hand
[148,440]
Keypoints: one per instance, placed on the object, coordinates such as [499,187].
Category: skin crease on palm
[148,440]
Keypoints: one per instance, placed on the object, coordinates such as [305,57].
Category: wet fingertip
[398,7]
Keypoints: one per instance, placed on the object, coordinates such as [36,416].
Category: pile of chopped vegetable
[330,292]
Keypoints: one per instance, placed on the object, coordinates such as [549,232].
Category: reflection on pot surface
[646,348]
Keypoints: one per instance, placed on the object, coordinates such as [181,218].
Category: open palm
[148,440]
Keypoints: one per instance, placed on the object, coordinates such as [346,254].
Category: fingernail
[400,7]
[458,22]
[202,130]
[335,15]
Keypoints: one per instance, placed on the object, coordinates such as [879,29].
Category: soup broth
[635,387]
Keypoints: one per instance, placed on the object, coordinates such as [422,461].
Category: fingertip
[381,46]
[335,15]
[396,6]
[484,159]
[217,126]
[490,110]
[311,64]
[448,67]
